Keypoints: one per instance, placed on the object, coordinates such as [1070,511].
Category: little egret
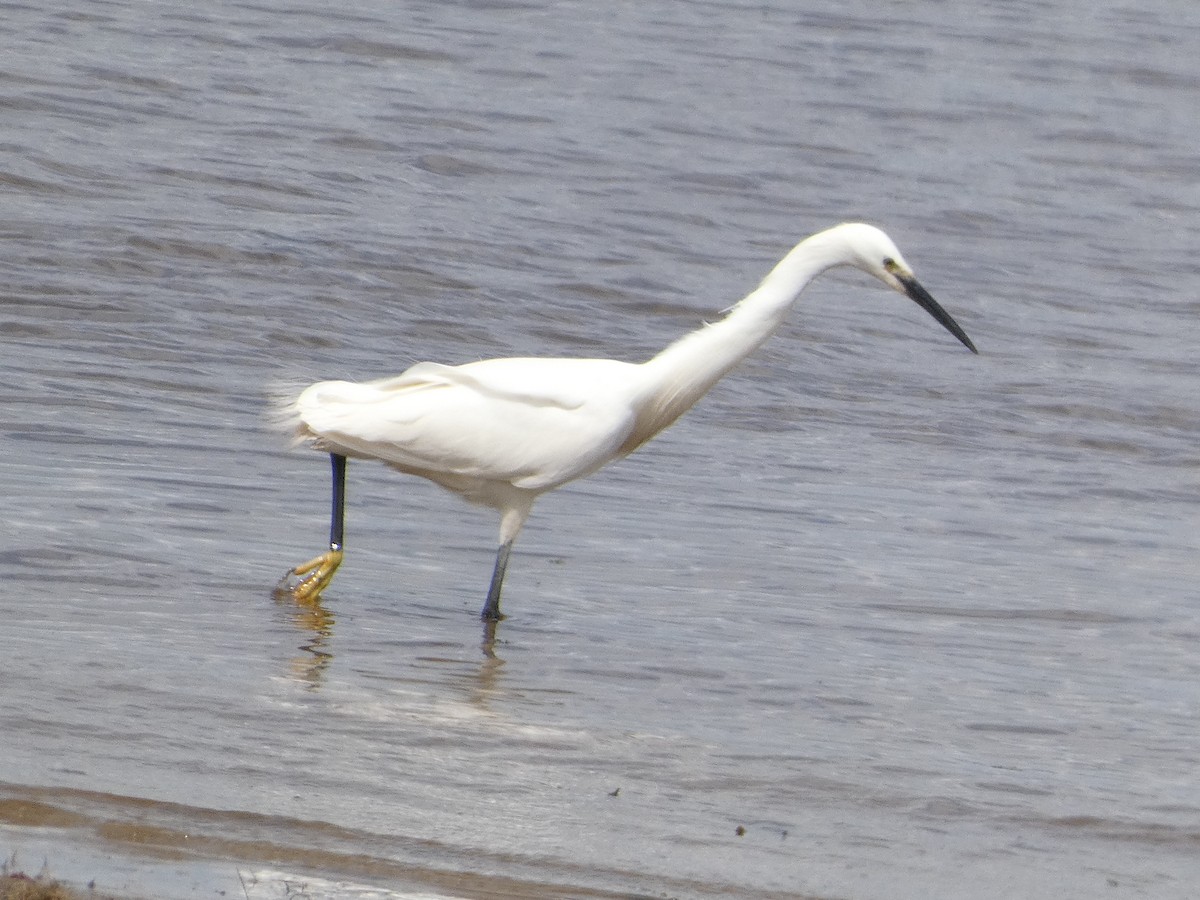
[501,432]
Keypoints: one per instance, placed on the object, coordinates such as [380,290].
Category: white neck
[684,372]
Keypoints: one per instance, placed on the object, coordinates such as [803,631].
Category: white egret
[501,432]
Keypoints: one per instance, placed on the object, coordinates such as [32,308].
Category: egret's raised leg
[314,576]
[491,609]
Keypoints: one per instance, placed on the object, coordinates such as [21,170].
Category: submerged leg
[491,609]
[314,576]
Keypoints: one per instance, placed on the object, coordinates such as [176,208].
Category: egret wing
[534,381]
[533,423]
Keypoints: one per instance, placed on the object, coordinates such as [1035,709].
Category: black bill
[913,288]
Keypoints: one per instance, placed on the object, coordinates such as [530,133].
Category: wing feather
[534,423]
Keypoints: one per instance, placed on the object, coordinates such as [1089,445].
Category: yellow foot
[311,578]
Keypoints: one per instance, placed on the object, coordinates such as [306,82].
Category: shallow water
[919,623]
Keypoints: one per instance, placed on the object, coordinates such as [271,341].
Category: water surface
[918,623]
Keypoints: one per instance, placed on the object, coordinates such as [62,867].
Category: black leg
[338,514]
[314,576]
[491,609]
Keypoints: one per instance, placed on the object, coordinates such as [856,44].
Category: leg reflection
[315,623]
[488,646]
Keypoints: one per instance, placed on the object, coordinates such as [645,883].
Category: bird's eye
[889,263]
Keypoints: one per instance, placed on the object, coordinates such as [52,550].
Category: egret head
[874,252]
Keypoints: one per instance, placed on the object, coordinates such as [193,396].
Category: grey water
[877,619]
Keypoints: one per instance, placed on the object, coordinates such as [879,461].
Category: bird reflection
[488,646]
[316,623]
[488,680]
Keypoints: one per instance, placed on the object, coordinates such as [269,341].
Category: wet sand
[226,852]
